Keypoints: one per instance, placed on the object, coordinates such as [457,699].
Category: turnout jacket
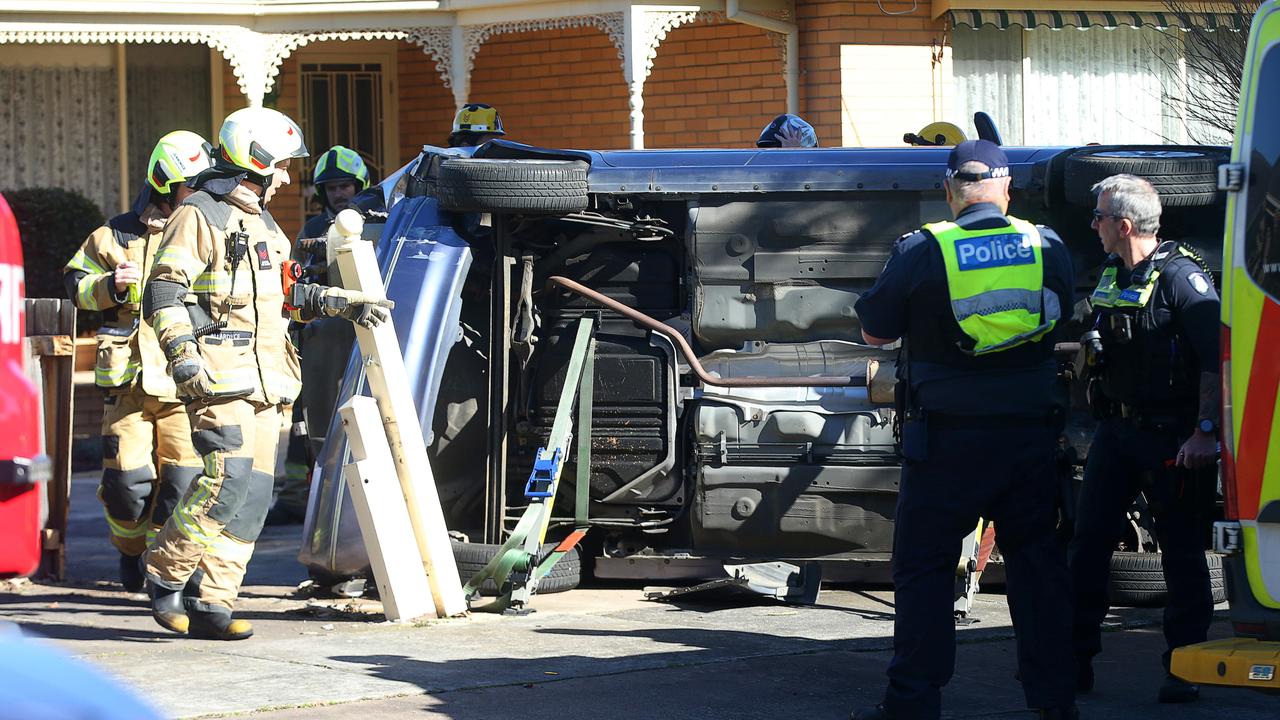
[129,354]
[220,262]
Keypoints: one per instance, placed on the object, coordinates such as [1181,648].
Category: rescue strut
[518,565]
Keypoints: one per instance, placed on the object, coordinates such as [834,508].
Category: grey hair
[973,191]
[1134,198]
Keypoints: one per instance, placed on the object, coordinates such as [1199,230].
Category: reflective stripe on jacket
[1109,295]
[127,349]
[252,356]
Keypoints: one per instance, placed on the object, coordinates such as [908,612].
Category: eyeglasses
[1098,215]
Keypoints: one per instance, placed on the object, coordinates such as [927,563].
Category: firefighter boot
[166,608]
[216,624]
[130,573]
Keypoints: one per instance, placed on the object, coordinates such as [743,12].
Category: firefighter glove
[189,373]
[364,309]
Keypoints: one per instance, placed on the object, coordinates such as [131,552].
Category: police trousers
[1006,475]
[147,465]
[211,534]
[1123,461]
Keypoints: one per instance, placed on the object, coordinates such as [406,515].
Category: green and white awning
[1060,19]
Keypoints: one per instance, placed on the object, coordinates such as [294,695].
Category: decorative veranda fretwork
[656,25]
[438,43]
[254,57]
[611,24]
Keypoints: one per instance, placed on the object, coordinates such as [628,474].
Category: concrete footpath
[596,652]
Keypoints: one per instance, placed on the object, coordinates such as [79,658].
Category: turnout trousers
[1006,475]
[1123,461]
[147,465]
[211,534]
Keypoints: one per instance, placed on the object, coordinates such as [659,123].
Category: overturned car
[753,260]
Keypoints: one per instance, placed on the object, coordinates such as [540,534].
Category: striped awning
[1059,19]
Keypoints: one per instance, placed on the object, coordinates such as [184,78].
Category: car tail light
[1230,505]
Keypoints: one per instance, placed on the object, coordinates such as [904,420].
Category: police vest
[995,279]
[1109,295]
[1147,366]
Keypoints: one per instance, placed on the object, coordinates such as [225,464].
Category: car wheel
[519,186]
[1184,178]
[1137,579]
[472,557]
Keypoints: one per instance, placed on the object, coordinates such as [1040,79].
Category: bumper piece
[1236,662]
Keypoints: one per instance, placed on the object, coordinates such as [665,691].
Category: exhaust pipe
[670,332]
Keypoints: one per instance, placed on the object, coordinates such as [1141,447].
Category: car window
[1262,213]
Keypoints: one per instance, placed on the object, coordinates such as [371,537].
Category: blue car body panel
[423,265]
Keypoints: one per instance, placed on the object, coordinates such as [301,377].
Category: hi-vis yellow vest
[995,279]
[1109,295]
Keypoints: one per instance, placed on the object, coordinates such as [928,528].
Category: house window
[887,91]
[342,104]
[1070,86]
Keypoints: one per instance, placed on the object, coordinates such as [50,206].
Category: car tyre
[546,187]
[1137,579]
[472,557]
[1183,177]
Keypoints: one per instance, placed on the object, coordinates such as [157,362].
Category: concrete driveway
[600,652]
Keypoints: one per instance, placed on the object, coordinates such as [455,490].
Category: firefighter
[977,303]
[216,297]
[788,131]
[340,174]
[475,124]
[1154,387]
[147,458]
[325,344]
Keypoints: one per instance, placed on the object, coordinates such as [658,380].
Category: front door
[347,98]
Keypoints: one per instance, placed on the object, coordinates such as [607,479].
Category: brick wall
[714,84]
[557,88]
[826,25]
[426,105]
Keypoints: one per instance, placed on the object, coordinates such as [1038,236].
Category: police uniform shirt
[911,299]
[1185,310]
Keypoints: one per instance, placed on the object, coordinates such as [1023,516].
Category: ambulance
[1249,535]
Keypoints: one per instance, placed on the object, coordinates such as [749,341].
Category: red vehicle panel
[21,493]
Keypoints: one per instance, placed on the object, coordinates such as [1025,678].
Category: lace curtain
[168,89]
[59,128]
[1069,86]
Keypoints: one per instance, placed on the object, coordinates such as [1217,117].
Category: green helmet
[340,163]
[177,157]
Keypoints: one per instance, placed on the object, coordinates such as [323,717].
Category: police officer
[147,458]
[1155,387]
[977,302]
[475,124]
[216,300]
[788,131]
[339,174]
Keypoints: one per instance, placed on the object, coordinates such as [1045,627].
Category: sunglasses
[1098,215]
